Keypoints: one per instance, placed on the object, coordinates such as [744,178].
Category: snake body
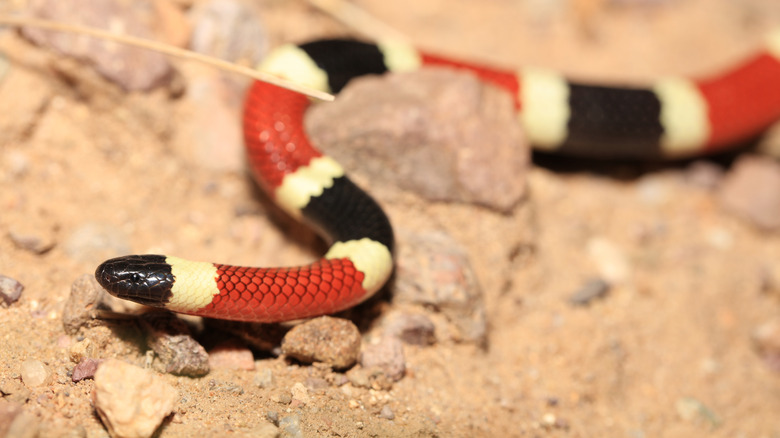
[674,117]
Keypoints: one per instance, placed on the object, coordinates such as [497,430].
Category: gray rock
[10,290]
[432,269]
[388,355]
[443,135]
[591,290]
[177,351]
[82,304]
[129,67]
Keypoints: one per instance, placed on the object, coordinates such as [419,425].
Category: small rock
[333,341]
[432,269]
[81,350]
[412,328]
[283,397]
[231,355]
[291,427]
[273,417]
[360,377]
[610,260]
[35,373]
[315,383]
[229,387]
[131,401]
[766,340]
[10,290]
[441,134]
[130,67]
[752,190]
[591,290]
[177,351]
[387,355]
[32,237]
[299,392]
[82,304]
[386,413]
[85,369]
[263,378]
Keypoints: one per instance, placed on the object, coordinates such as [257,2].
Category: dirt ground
[667,352]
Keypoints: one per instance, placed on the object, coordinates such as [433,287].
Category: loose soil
[667,352]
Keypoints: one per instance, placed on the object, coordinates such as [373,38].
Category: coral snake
[675,117]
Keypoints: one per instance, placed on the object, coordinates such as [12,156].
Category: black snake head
[144,279]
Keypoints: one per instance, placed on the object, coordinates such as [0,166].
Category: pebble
[433,270]
[290,427]
[333,341]
[231,355]
[386,413]
[766,340]
[610,260]
[751,190]
[593,289]
[10,290]
[387,355]
[131,68]
[273,417]
[32,237]
[35,373]
[229,30]
[380,127]
[315,383]
[411,328]
[85,369]
[81,307]
[131,401]
[300,392]
[263,378]
[172,343]
[81,350]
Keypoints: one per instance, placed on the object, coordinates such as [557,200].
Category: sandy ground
[667,353]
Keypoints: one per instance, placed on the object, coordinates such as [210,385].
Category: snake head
[144,279]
